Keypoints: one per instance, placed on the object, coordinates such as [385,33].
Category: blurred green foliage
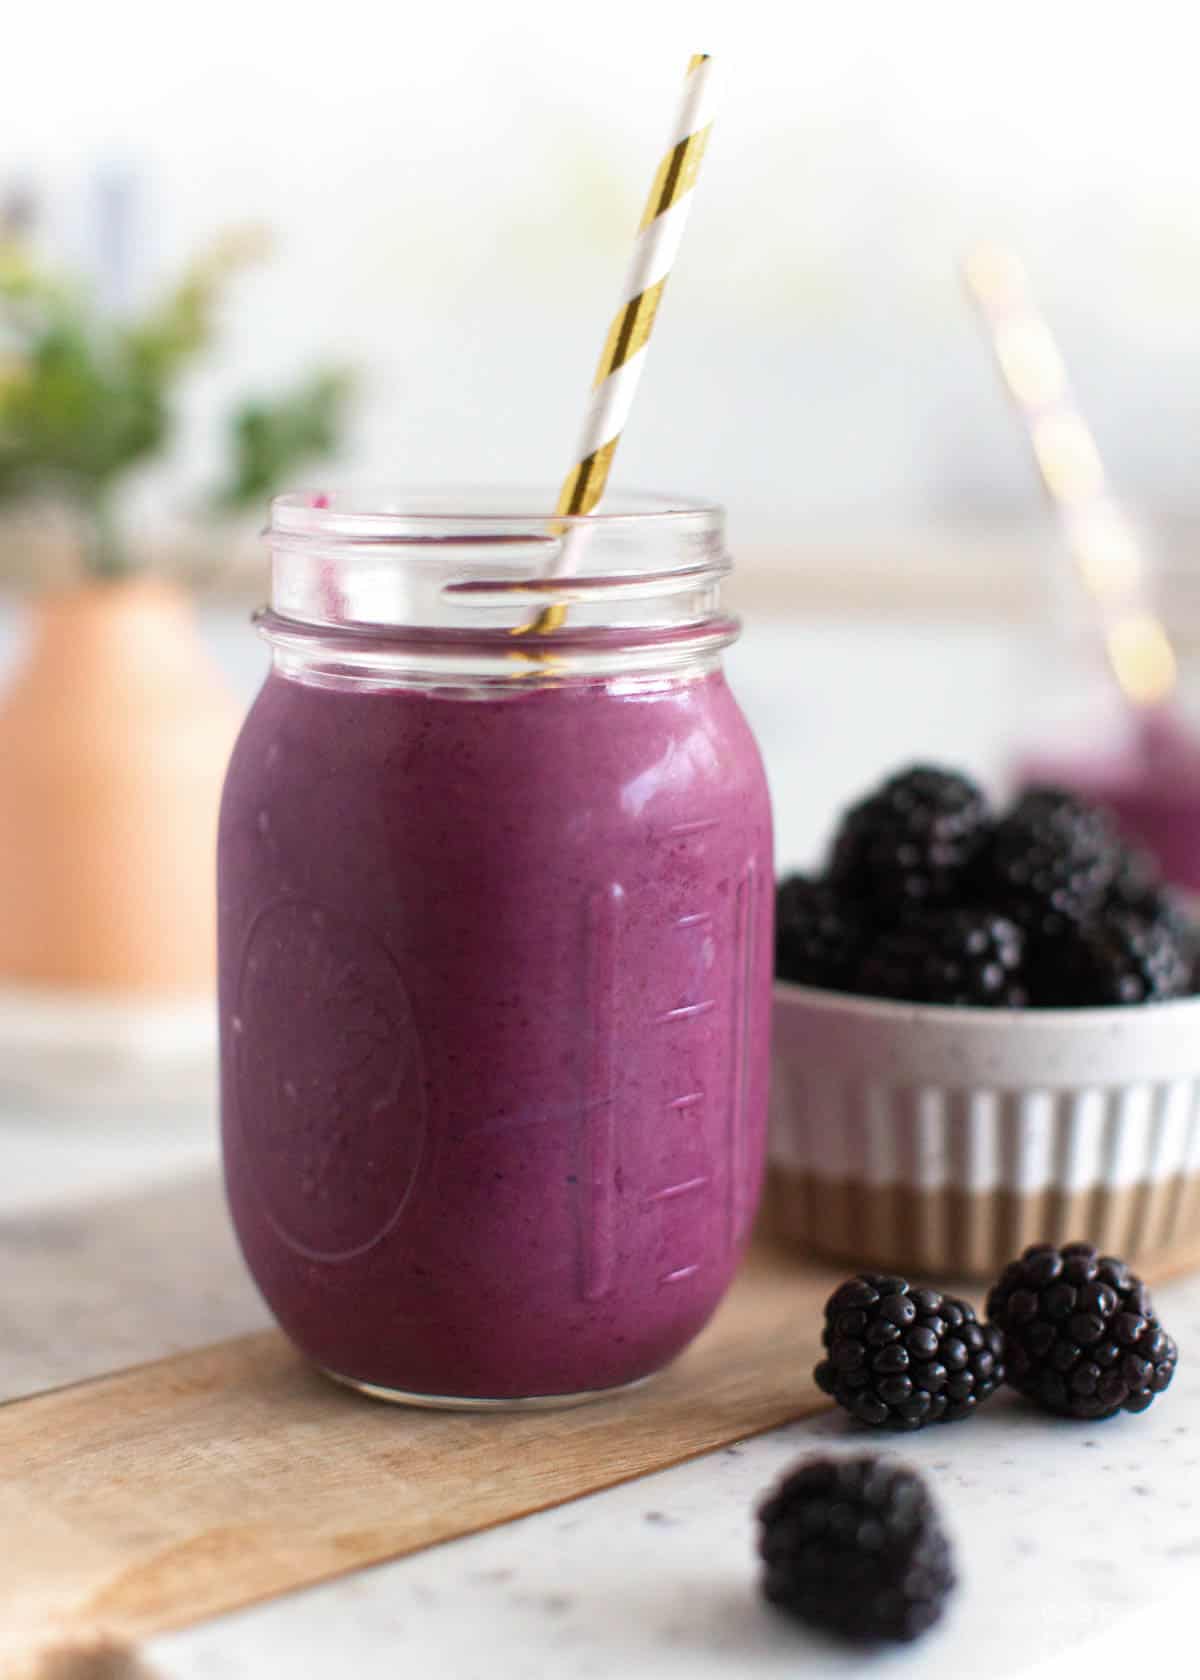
[269,438]
[85,398]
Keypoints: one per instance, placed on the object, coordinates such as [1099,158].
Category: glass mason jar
[495,946]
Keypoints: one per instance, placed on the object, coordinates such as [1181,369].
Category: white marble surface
[118,1280]
[1063,1534]
[58,1156]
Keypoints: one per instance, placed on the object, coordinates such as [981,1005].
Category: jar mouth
[417,515]
[472,560]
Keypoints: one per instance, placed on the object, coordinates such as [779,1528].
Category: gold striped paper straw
[624,356]
[1102,542]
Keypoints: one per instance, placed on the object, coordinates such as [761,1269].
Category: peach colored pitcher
[113,742]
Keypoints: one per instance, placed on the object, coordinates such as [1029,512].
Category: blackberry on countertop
[910,842]
[819,938]
[1115,957]
[1080,1334]
[855,1546]
[1047,861]
[899,1358]
[971,957]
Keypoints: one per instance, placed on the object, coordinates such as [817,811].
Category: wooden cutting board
[177,1490]
[170,1492]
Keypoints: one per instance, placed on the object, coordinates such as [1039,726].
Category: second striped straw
[1103,543]
[624,354]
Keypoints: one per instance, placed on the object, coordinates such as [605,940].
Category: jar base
[464,1403]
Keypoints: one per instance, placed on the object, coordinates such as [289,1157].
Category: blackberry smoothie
[495,976]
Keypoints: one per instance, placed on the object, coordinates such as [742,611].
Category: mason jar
[495,945]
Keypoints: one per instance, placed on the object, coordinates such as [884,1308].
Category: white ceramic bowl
[944,1140]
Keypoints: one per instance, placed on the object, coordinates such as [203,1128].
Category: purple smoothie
[495,978]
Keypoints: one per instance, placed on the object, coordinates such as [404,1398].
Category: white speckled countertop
[1065,1535]
[1063,1532]
[1060,1533]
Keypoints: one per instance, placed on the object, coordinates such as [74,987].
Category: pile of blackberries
[930,897]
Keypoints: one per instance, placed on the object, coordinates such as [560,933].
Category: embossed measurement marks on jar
[707,1085]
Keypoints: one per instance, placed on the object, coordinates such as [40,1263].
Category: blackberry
[909,843]
[1137,886]
[818,936]
[948,956]
[1137,889]
[1116,957]
[1048,861]
[899,1358]
[854,1546]
[1080,1335]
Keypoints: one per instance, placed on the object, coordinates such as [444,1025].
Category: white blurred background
[452,193]
[453,190]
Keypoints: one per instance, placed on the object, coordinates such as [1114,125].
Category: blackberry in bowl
[1006,1051]
[1047,860]
[973,958]
[910,843]
[1113,957]
[819,935]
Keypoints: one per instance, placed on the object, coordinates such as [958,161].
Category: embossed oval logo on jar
[331,1103]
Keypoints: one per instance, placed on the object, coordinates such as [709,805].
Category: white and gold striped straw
[1102,542]
[624,356]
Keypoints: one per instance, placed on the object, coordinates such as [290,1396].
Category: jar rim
[377,513]
[388,563]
